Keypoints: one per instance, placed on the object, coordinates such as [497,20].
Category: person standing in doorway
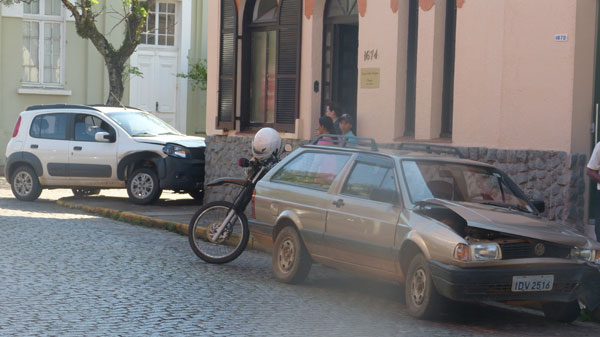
[346,124]
[325,127]
[334,112]
[593,168]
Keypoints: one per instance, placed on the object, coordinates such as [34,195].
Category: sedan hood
[187,141]
[513,222]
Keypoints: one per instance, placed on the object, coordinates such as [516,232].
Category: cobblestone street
[65,273]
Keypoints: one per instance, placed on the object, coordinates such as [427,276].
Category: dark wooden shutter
[227,65]
[288,65]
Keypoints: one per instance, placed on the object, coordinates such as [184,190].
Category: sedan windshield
[460,182]
[142,124]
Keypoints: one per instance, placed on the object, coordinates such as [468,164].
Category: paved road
[65,273]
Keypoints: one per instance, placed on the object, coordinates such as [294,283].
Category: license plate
[532,283]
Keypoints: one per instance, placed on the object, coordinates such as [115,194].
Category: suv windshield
[142,124]
[460,182]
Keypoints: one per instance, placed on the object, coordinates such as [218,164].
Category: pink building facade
[509,82]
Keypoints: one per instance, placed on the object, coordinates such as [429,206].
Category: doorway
[340,57]
[157,58]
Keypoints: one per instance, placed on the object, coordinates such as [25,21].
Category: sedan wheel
[418,286]
[422,299]
[286,256]
[291,261]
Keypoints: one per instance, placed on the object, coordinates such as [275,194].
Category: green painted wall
[196,103]
[85,71]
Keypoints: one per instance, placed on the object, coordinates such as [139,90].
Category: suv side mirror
[102,136]
[540,205]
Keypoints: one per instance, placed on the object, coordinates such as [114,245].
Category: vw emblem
[539,249]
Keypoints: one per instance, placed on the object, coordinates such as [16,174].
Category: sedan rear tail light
[17,126]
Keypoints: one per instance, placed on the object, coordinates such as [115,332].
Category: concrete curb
[145,221]
[132,218]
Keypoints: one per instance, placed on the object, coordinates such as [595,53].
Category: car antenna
[122,106]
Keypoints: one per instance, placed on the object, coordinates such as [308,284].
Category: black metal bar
[59,106]
[431,148]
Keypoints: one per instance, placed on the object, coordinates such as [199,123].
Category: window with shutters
[227,65]
[270,66]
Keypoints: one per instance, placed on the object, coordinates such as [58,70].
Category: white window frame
[42,19]
[178,18]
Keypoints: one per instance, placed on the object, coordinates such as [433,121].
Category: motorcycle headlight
[176,151]
[588,255]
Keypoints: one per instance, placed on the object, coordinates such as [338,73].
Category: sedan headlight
[176,151]
[483,251]
[486,251]
[588,255]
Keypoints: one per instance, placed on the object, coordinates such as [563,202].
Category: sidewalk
[173,211]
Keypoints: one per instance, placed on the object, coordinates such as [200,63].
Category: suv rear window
[312,169]
[50,126]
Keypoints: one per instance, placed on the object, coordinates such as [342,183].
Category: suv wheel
[85,191]
[143,187]
[422,299]
[291,261]
[25,184]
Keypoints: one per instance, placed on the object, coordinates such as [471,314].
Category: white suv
[87,148]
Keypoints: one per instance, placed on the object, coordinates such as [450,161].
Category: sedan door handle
[77,148]
[338,203]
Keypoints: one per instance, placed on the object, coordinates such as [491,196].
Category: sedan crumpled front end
[506,255]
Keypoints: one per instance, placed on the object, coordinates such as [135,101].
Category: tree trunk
[85,23]
[115,80]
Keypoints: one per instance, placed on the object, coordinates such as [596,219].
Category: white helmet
[266,143]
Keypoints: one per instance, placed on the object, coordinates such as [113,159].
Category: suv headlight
[485,251]
[588,255]
[176,151]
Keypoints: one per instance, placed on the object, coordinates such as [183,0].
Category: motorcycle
[218,232]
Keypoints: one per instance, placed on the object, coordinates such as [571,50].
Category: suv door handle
[338,203]
[77,148]
[34,146]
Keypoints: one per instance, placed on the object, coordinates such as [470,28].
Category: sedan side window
[373,182]
[312,169]
[49,126]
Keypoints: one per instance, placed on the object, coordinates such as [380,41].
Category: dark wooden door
[340,68]
[345,86]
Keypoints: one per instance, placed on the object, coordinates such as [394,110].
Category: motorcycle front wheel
[218,233]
